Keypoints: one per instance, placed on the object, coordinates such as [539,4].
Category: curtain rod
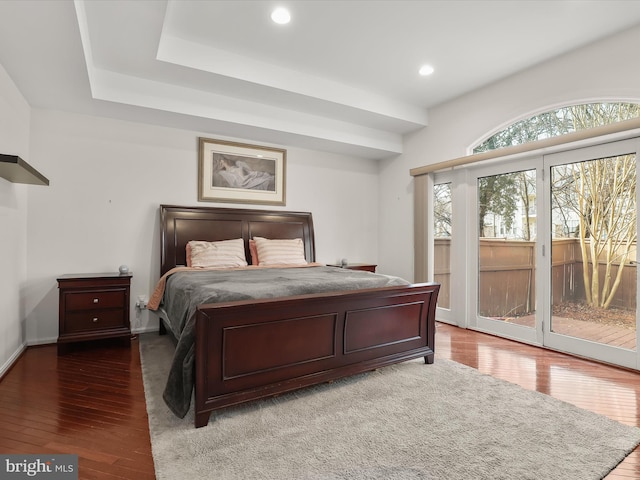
[612,128]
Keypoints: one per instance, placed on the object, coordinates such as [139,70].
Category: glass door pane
[593,250]
[442,222]
[507,248]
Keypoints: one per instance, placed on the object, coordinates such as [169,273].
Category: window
[442,222]
[560,122]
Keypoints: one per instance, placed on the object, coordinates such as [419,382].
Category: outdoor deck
[597,332]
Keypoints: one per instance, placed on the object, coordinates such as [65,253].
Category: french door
[505,263]
[550,250]
[592,231]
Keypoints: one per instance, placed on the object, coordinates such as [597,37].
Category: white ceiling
[342,76]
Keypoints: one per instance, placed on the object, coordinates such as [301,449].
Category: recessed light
[425,70]
[281,16]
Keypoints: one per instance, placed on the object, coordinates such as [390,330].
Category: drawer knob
[95,319]
[95,300]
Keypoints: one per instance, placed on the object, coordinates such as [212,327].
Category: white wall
[607,70]
[108,178]
[14,140]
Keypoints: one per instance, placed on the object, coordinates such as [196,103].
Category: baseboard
[44,341]
[147,329]
[12,359]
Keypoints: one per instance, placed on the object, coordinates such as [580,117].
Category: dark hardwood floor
[91,401]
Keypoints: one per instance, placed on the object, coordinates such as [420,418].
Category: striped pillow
[280,252]
[222,254]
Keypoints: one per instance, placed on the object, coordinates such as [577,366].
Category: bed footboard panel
[249,350]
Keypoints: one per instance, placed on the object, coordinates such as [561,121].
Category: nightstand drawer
[93,320]
[95,299]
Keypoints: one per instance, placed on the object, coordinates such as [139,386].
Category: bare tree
[606,195]
[442,209]
[527,186]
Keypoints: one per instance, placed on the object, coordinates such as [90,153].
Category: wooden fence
[507,276]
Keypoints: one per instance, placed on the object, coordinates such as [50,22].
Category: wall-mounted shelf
[16,170]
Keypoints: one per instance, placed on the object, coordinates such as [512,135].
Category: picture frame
[241,173]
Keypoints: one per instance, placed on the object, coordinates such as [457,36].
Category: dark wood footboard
[260,348]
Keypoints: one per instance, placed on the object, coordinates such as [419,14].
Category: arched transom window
[560,122]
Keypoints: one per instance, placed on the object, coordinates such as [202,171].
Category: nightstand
[368,267]
[93,306]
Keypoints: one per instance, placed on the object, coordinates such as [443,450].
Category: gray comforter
[184,291]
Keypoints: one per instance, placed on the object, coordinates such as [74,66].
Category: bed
[232,349]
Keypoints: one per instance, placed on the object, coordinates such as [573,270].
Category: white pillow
[222,254]
[280,252]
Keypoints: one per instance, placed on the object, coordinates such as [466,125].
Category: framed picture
[241,173]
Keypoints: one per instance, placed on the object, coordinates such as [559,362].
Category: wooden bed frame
[253,349]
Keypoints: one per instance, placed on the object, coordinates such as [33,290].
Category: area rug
[404,422]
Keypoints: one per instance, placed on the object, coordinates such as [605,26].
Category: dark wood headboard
[179,225]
